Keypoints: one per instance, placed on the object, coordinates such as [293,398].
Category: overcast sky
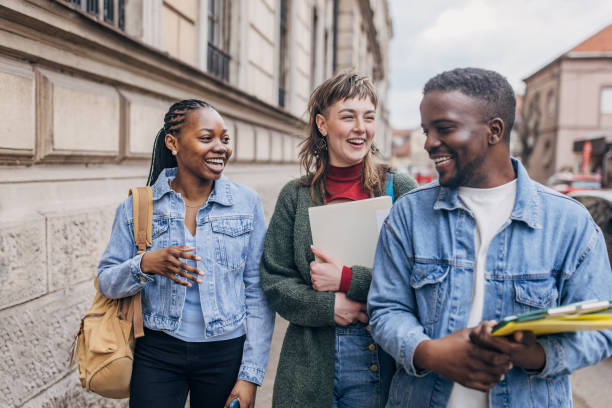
[513,37]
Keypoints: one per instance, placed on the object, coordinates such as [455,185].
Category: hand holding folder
[586,315]
[349,231]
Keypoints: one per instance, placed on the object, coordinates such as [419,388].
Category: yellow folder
[587,315]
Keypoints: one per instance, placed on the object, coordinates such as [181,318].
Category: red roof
[600,42]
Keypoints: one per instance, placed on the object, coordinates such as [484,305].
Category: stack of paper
[587,315]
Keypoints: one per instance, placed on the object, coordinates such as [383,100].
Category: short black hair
[489,86]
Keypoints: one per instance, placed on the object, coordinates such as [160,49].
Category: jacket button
[372,347]
[374,367]
[368,327]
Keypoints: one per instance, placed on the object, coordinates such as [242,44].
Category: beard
[469,174]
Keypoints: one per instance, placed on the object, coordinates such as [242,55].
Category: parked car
[599,204]
[568,182]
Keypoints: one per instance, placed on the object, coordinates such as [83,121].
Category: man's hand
[325,275]
[459,359]
[245,391]
[521,346]
[348,311]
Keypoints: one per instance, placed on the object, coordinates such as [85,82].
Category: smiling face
[203,146]
[458,138]
[349,127]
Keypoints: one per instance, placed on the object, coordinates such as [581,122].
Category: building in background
[567,103]
[85,85]
[408,154]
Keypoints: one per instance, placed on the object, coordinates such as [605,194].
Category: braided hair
[173,120]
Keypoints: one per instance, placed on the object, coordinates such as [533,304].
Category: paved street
[591,386]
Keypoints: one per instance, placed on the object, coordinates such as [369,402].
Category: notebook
[349,231]
[586,315]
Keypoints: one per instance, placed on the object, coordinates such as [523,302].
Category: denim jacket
[229,238]
[549,253]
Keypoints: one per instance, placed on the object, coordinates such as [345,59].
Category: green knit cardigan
[305,374]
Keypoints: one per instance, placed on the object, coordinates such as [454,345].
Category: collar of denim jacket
[526,205]
[221,192]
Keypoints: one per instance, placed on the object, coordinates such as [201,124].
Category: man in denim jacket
[482,243]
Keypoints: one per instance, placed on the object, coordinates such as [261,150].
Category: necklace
[185,200]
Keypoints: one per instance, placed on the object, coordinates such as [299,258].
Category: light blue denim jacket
[229,238]
[550,252]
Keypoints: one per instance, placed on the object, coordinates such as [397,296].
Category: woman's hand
[166,262]
[245,391]
[325,275]
[347,311]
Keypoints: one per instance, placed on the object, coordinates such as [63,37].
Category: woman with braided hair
[328,357]
[207,324]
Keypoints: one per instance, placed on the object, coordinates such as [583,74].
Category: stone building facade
[567,101]
[85,85]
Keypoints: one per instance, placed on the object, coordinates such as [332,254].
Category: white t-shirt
[491,208]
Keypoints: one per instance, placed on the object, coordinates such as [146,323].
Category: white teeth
[356,141]
[440,160]
[215,161]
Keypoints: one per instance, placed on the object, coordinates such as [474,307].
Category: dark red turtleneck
[345,183]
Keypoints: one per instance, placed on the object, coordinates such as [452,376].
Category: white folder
[349,231]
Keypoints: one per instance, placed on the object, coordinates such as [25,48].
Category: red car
[568,182]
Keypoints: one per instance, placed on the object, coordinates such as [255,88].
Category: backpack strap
[389,186]
[142,207]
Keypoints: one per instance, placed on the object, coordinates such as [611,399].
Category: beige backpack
[104,346]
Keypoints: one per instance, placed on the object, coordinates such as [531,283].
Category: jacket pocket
[160,233]
[430,285]
[533,294]
[231,236]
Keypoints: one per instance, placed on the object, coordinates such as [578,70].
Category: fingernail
[198,258]
[201,272]
[199,280]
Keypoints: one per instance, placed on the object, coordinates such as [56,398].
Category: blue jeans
[359,378]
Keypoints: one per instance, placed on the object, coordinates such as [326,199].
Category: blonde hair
[314,156]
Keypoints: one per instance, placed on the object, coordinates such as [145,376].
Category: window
[110,11]
[282,61]
[550,104]
[218,59]
[313,46]
[606,101]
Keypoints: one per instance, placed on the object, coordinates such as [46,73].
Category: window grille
[218,62]
[282,69]
[218,59]
[92,7]
[109,11]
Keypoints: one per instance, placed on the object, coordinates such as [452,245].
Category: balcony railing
[218,62]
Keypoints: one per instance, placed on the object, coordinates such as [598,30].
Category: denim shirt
[230,233]
[549,253]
